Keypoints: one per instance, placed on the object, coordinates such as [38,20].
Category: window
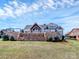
[47,27]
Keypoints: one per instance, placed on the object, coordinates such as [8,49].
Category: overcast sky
[19,13]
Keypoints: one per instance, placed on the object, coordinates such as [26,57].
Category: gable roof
[50,25]
[28,27]
[35,25]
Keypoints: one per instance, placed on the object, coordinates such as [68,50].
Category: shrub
[72,38]
[5,38]
[0,36]
[56,39]
[50,39]
[12,38]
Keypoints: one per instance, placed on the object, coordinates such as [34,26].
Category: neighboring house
[8,30]
[10,33]
[74,33]
[12,29]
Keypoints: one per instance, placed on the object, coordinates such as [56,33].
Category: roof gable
[35,25]
[49,26]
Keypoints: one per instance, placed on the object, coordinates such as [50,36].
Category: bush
[5,38]
[56,39]
[0,36]
[12,38]
[50,39]
[72,38]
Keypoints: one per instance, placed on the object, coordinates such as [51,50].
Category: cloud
[63,12]
[68,23]
[16,8]
[55,4]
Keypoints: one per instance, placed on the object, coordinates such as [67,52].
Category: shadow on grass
[60,41]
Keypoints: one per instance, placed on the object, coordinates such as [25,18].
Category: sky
[19,13]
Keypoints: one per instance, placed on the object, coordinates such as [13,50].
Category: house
[49,30]
[37,32]
[74,33]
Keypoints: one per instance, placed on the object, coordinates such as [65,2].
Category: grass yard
[39,50]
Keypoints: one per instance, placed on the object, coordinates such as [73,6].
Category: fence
[32,36]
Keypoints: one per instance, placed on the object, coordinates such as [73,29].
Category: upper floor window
[47,27]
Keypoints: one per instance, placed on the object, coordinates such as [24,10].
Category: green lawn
[39,50]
